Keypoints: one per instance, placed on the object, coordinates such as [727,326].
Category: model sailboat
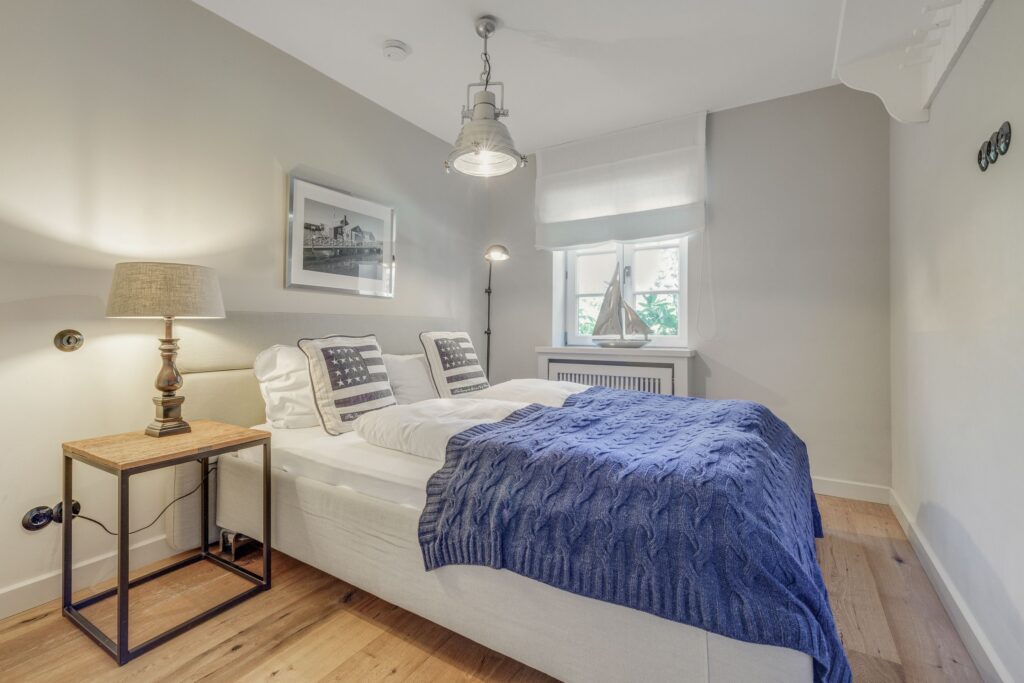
[617,319]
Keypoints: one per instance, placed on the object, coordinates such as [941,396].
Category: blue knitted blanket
[697,511]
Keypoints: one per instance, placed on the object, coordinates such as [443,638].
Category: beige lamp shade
[164,290]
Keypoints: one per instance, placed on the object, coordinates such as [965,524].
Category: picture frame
[339,242]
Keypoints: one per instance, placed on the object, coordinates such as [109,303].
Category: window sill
[646,351]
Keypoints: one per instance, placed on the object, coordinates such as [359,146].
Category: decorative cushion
[410,378]
[349,379]
[453,362]
[283,374]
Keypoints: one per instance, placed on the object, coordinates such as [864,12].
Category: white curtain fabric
[637,184]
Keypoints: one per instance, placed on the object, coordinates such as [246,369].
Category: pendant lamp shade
[484,147]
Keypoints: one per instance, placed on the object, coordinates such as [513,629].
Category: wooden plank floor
[313,627]
[891,621]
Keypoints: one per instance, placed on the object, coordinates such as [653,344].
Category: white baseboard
[841,488]
[990,666]
[32,592]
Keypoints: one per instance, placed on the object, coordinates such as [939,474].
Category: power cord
[157,518]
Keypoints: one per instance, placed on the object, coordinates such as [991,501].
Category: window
[653,276]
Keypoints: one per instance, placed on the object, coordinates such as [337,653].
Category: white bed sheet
[349,461]
[364,530]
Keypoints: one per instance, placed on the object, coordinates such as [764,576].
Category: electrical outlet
[39,517]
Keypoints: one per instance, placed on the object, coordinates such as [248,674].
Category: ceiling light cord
[485,75]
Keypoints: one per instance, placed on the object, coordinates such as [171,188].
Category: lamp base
[168,417]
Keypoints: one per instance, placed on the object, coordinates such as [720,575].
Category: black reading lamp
[495,252]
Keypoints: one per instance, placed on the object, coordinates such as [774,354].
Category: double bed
[354,509]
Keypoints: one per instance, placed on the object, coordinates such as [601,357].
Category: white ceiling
[572,68]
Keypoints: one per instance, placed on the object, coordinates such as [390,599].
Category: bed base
[371,544]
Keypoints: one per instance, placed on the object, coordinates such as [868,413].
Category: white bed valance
[637,184]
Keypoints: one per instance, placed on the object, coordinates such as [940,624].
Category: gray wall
[798,193]
[521,318]
[156,130]
[958,335]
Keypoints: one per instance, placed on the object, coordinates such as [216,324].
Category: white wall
[156,130]
[798,217]
[958,336]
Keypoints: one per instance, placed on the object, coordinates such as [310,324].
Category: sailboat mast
[622,315]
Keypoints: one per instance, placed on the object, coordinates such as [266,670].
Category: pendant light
[484,147]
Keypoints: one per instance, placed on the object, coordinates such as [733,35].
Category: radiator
[655,378]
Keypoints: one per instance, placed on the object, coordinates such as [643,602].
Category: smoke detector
[395,50]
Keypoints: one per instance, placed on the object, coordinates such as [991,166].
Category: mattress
[348,461]
[352,510]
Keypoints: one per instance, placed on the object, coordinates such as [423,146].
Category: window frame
[625,254]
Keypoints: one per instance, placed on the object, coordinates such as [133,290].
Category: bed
[353,509]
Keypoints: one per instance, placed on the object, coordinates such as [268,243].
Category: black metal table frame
[120,650]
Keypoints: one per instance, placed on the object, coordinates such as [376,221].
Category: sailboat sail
[634,324]
[617,318]
[609,319]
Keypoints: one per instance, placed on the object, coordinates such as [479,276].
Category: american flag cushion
[348,377]
[454,366]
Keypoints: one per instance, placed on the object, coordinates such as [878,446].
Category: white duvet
[424,428]
[543,391]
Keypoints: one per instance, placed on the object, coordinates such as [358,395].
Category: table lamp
[168,291]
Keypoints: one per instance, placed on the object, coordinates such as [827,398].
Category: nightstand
[124,455]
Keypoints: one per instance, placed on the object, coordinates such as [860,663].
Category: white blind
[636,184]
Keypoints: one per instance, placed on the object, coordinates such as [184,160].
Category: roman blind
[637,184]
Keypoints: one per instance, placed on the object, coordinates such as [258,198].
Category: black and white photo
[339,242]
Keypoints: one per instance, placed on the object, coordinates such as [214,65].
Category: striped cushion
[454,366]
[348,377]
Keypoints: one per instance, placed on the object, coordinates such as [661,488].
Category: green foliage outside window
[588,308]
[660,312]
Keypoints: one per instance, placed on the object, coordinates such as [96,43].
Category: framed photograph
[339,242]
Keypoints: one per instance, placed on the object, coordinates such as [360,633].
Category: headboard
[216,356]
[216,362]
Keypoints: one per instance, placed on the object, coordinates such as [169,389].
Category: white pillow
[283,374]
[410,378]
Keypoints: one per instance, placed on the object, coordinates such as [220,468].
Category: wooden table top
[134,450]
